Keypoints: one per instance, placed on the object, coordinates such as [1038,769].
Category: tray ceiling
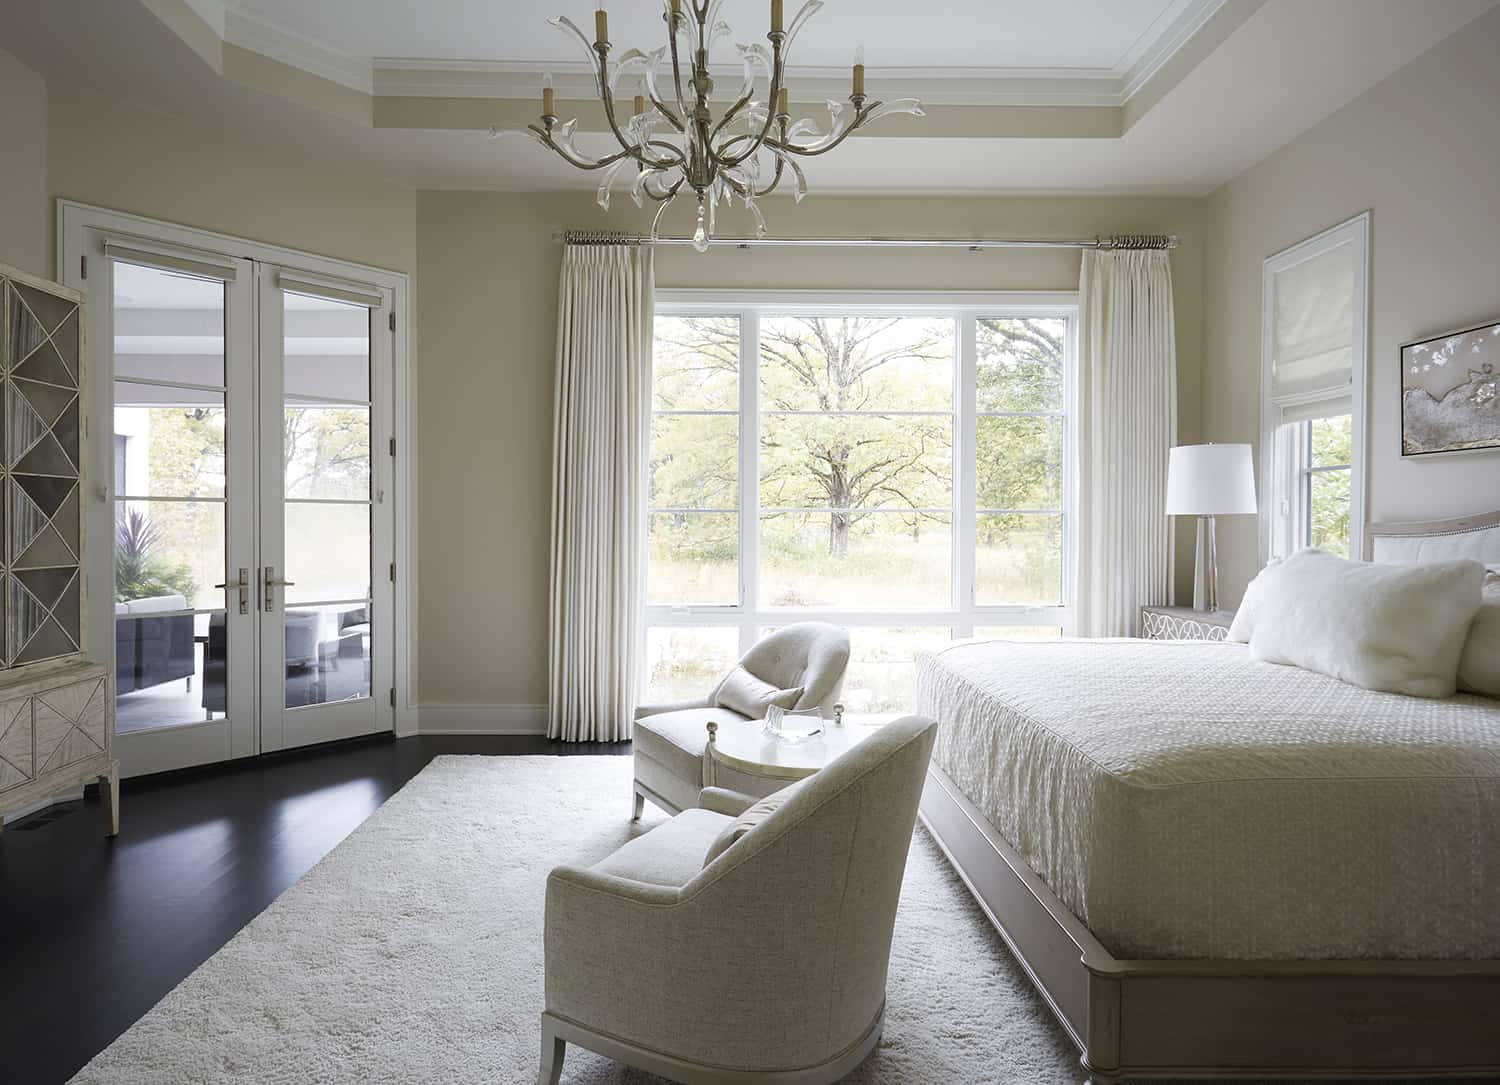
[1059,52]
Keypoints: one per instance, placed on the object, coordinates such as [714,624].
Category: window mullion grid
[749,460]
[965,492]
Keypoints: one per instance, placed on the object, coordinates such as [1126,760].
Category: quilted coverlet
[1186,801]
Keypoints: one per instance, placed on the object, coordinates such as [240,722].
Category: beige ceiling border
[1197,47]
[469,110]
[941,122]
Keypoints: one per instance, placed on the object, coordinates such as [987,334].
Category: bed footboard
[1221,1019]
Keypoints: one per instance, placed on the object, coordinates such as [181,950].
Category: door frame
[75,224]
[334,720]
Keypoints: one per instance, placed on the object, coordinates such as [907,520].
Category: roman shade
[321,286]
[1312,334]
[204,265]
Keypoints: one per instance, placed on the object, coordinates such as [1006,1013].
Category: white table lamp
[1208,481]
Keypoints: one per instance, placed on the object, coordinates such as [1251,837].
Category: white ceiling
[1288,65]
[1076,37]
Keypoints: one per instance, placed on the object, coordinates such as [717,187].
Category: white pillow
[1479,668]
[1244,616]
[749,696]
[1395,628]
[750,819]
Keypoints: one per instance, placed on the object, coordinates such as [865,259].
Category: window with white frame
[898,466]
[1314,360]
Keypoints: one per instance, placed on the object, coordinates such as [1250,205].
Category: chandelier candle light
[746,152]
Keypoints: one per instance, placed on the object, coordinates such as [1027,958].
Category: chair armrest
[642,711]
[721,800]
[588,880]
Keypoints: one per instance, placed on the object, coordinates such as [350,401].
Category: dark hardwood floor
[94,932]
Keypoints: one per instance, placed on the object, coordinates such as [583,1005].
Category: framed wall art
[1450,392]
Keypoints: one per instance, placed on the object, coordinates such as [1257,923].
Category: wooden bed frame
[1220,1018]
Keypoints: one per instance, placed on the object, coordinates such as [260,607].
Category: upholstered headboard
[1476,537]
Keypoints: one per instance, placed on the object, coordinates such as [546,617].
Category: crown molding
[416,77]
[421,78]
[1179,31]
[212,12]
[294,50]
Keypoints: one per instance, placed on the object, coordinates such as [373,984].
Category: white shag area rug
[413,953]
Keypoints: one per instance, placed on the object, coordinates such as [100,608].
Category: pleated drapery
[601,411]
[1128,412]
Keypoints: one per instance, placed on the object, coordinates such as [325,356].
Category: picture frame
[1450,392]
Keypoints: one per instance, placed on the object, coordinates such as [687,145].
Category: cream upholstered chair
[669,739]
[765,964]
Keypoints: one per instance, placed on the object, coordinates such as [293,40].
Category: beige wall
[1422,150]
[488,297]
[109,153]
[25,222]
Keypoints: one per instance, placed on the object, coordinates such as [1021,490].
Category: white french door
[325,523]
[241,544]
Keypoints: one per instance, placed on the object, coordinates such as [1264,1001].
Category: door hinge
[393,572]
[393,446]
[393,321]
[393,696]
[83,265]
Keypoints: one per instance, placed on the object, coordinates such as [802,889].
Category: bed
[1214,867]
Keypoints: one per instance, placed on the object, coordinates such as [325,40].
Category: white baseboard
[482,719]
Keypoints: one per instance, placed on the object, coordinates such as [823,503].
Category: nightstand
[1185,623]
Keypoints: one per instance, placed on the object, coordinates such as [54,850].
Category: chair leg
[639,802]
[554,1050]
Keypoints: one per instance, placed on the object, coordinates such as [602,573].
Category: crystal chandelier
[744,153]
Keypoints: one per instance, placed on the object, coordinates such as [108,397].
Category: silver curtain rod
[1124,241]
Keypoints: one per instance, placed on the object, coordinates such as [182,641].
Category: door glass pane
[168,326]
[169,668]
[168,480]
[327,551]
[327,346]
[169,442]
[327,653]
[326,464]
[326,452]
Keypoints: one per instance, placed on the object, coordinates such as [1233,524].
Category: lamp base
[1206,568]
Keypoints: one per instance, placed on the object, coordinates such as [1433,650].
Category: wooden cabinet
[55,730]
[56,708]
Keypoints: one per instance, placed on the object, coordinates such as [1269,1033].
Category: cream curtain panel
[1128,414]
[601,411]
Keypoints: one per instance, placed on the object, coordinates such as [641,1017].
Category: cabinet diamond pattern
[16,766]
[66,729]
[39,477]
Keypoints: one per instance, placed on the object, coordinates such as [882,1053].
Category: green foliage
[857,418]
[140,573]
[1328,496]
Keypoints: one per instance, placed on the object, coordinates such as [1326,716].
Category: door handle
[243,584]
[271,584]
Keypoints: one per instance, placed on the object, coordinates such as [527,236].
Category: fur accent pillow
[746,694]
[1479,668]
[750,819]
[1394,628]
[1244,616]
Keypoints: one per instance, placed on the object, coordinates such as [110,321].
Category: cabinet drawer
[51,728]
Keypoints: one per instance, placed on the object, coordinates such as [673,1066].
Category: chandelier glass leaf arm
[688,146]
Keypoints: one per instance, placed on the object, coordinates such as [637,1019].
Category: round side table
[746,749]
